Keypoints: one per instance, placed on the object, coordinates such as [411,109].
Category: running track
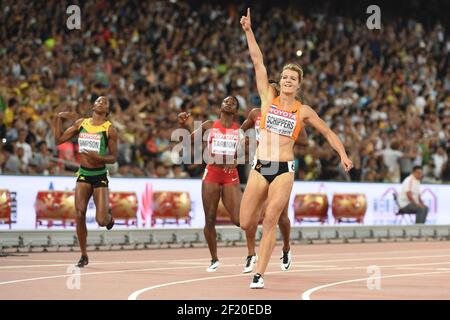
[404,270]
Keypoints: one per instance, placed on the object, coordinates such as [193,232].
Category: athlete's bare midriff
[275,147]
[87,162]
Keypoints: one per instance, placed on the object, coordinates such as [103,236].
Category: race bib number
[89,141]
[257,123]
[281,122]
[224,147]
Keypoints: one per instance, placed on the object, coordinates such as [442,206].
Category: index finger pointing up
[248,13]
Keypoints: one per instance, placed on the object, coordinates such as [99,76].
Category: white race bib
[89,142]
[281,122]
[224,147]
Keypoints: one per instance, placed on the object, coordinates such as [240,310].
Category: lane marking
[92,273]
[190,261]
[134,295]
[307,294]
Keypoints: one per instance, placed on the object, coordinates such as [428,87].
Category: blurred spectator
[178,172]
[42,159]
[2,127]
[439,158]
[445,176]
[21,143]
[391,156]
[11,161]
[385,92]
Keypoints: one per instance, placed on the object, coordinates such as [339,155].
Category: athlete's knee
[210,221]
[270,222]
[80,214]
[246,225]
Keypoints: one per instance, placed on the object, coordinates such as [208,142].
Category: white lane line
[119,271]
[307,294]
[134,295]
[240,257]
[41,260]
[93,273]
[112,272]
[188,261]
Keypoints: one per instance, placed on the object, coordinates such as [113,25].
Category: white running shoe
[257,282]
[285,260]
[250,263]
[213,267]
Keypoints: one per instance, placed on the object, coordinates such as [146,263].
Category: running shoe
[250,263]
[257,282]
[213,267]
[285,260]
[84,261]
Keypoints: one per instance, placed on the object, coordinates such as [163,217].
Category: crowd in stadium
[384,92]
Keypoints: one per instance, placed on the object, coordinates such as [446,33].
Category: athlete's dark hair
[237,101]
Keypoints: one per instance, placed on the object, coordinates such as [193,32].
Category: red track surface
[407,270]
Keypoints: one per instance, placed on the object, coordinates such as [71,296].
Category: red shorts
[214,174]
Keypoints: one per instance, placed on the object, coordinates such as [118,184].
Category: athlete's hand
[246,21]
[183,116]
[346,163]
[69,115]
[228,168]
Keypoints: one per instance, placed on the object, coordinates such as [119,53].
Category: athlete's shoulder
[306,108]
[111,130]
[79,122]
[208,124]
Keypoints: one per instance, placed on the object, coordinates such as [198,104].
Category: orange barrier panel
[171,207]
[311,206]
[124,206]
[58,208]
[5,207]
[349,207]
[55,208]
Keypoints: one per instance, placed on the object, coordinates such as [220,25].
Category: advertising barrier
[31,202]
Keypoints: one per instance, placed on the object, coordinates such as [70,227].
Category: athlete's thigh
[231,197]
[210,198]
[279,194]
[83,192]
[254,195]
[101,200]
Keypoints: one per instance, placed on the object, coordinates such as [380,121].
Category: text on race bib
[224,143]
[224,147]
[281,122]
[89,141]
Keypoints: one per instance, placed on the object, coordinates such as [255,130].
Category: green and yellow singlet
[93,138]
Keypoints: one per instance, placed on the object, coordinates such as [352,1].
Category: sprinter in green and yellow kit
[97,141]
